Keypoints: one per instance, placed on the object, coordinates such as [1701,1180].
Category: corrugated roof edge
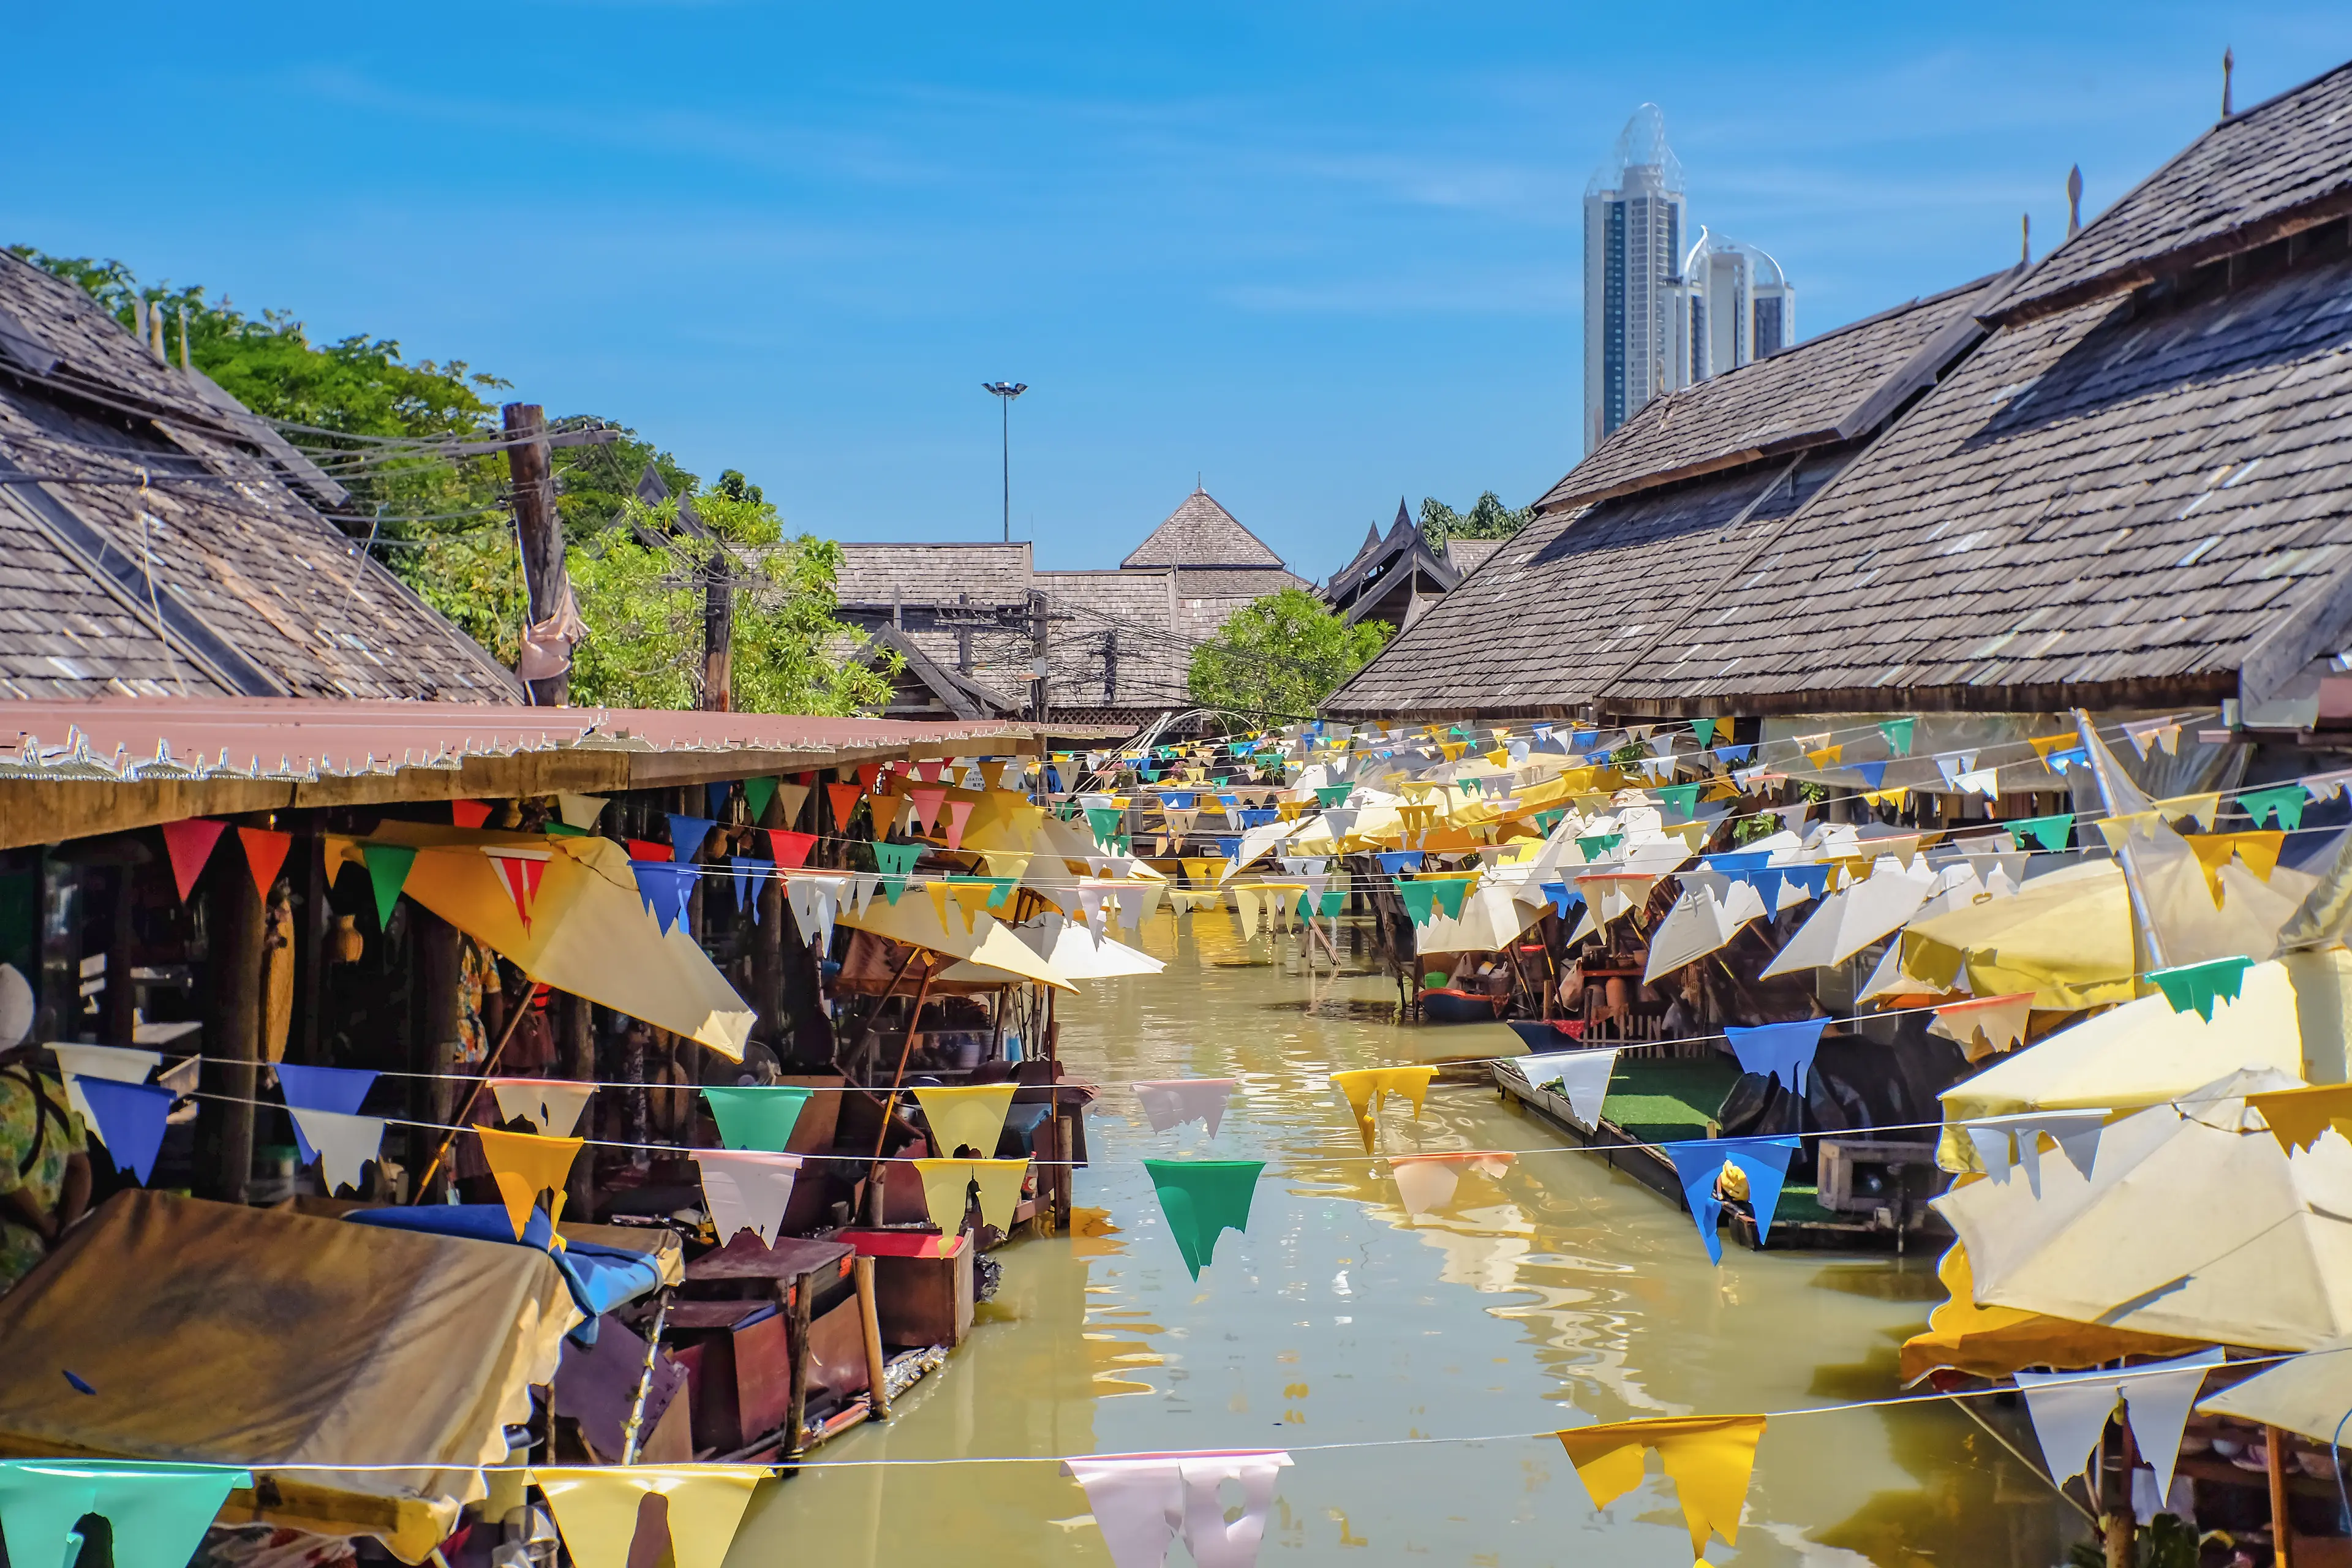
[1921,369]
[2124,275]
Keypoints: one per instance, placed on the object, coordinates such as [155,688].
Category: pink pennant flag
[926,806]
[959,813]
[265,852]
[190,845]
[930,770]
[519,874]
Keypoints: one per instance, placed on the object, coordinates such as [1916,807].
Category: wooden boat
[1448,1005]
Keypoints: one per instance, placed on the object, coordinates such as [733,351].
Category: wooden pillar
[235,1035]
[575,1042]
[796,1314]
[2282,1526]
[877,1365]
[310,945]
[434,942]
[2116,1518]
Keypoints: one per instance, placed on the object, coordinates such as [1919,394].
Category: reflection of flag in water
[520,871]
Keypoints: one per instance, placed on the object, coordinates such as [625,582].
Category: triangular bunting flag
[1366,1088]
[519,872]
[1709,1459]
[959,813]
[158,1511]
[265,852]
[844,798]
[1202,1199]
[969,1116]
[947,1186]
[189,844]
[469,813]
[525,1166]
[1144,1503]
[687,835]
[754,1116]
[342,1143]
[1782,1051]
[747,1190]
[1170,1102]
[387,868]
[757,794]
[1427,1182]
[597,1509]
[130,1117]
[1698,1164]
[790,848]
[554,1103]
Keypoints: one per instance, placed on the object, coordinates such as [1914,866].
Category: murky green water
[1560,1287]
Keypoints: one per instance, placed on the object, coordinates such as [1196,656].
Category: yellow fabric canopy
[1996,1342]
[989,941]
[260,1337]
[2066,936]
[2138,1054]
[590,932]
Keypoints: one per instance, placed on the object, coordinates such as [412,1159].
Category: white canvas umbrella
[1849,921]
[2191,1221]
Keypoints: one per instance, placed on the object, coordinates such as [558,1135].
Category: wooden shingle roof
[1200,532]
[1554,615]
[2280,166]
[2136,496]
[151,543]
[884,575]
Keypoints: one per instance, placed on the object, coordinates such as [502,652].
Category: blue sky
[1320,255]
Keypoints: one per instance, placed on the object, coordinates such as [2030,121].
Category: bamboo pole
[490,1066]
[2282,1526]
[877,1367]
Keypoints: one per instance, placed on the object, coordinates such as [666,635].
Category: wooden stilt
[877,1365]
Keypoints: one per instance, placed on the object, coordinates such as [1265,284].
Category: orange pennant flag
[265,852]
[844,798]
[524,1165]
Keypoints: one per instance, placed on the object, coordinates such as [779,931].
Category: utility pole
[1006,391]
[717,612]
[538,528]
[1040,619]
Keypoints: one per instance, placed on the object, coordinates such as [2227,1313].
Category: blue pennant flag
[1054,780]
[664,885]
[130,1120]
[1580,738]
[1563,897]
[717,794]
[1813,879]
[1543,732]
[1181,799]
[1784,1052]
[339,1089]
[1228,847]
[1739,861]
[1731,756]
[1871,772]
[2072,757]
[686,835]
[1258,817]
[1698,1162]
[1394,861]
[750,872]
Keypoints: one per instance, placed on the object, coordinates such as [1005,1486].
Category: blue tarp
[600,1278]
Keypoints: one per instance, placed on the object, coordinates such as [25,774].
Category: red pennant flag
[521,877]
[646,850]
[845,798]
[805,776]
[469,813]
[789,849]
[190,845]
[869,774]
[959,813]
[265,851]
[931,769]
[926,806]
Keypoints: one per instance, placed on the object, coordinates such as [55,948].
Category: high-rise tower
[1633,225]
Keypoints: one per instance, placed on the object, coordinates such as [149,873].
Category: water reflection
[1560,1287]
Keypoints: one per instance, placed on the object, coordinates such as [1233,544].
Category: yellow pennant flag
[973,1114]
[1454,749]
[1290,810]
[971,897]
[947,1185]
[2298,1116]
[524,1165]
[937,890]
[2043,745]
[1014,863]
[1708,1458]
[597,1509]
[1501,759]
[1827,757]
[1893,796]
[1202,873]
[1367,1087]
[992,775]
[2259,850]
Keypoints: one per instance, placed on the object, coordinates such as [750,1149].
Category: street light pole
[1006,391]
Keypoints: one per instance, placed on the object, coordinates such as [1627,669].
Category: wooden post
[2282,1526]
[575,1039]
[539,528]
[768,949]
[433,1100]
[796,1313]
[238,918]
[2116,1517]
[310,956]
[877,1365]
[717,612]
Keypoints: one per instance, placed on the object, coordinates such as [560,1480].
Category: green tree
[1488,518]
[640,584]
[1280,657]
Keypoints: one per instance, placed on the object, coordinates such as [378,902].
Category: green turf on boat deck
[1662,1101]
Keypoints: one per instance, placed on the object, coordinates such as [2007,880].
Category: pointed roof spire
[1201,533]
[1404,518]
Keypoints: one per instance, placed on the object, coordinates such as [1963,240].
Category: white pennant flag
[1248,905]
[2163,732]
[1090,903]
[552,1102]
[1130,908]
[2070,1410]
[119,1063]
[1985,782]
[1952,764]
[1340,821]
[861,890]
[813,901]
[747,1189]
[1145,1502]
[1582,1075]
[345,1144]
[1170,1102]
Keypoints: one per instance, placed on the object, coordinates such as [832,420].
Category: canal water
[1561,1293]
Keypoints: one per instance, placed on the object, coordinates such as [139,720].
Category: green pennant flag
[2285,800]
[564,830]
[1418,897]
[1548,820]
[1334,795]
[1002,897]
[1102,821]
[1334,899]
[1703,729]
[1681,796]
[1599,844]
[757,794]
[1899,734]
[756,1118]
[2199,985]
[1451,891]
[2053,833]
[1202,1199]
[158,1511]
[387,868]
[1470,786]
[894,861]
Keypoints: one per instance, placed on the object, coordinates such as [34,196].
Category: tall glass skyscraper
[1661,311]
